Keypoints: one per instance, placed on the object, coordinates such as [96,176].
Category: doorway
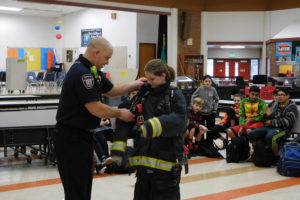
[147,51]
[232,67]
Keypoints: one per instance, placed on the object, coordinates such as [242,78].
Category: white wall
[282,18]
[241,53]
[147,31]
[235,26]
[120,32]
[25,31]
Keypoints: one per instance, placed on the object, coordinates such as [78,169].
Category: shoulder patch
[88,81]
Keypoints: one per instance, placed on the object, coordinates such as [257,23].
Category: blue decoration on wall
[21,52]
[57,27]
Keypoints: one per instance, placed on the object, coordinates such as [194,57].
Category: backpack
[238,149]
[206,148]
[263,155]
[289,163]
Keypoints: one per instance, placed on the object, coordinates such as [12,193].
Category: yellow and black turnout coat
[165,117]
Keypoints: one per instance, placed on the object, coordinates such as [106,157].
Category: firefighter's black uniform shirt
[79,88]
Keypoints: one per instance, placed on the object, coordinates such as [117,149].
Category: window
[254,68]
[236,68]
[226,69]
[210,67]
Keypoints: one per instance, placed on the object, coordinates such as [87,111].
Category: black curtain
[162,29]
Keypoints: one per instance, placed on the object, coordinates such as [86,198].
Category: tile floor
[209,179]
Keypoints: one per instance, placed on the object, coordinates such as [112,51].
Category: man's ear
[96,52]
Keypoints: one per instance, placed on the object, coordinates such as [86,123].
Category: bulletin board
[12,53]
[33,57]
[36,57]
[119,58]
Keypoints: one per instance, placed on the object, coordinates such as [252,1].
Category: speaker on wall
[186,25]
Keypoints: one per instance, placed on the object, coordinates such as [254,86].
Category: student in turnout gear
[159,152]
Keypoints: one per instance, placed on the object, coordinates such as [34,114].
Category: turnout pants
[73,149]
[152,185]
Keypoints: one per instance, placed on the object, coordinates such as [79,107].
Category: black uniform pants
[157,185]
[73,149]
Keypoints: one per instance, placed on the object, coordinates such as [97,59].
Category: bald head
[98,43]
[98,52]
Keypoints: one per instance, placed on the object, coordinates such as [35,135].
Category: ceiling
[38,9]
[218,5]
[56,8]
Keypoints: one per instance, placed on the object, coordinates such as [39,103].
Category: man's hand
[126,115]
[140,81]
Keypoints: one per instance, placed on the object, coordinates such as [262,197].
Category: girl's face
[154,80]
[207,82]
[237,101]
[132,94]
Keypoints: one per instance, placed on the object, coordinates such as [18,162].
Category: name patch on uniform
[88,81]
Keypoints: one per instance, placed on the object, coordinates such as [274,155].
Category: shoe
[105,160]
[250,158]
[100,169]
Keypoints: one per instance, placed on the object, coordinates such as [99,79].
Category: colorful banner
[36,57]
[284,49]
[297,54]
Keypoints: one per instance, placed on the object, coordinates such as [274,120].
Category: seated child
[280,120]
[194,128]
[100,137]
[231,118]
[251,114]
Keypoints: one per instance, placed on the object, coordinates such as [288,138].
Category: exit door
[232,67]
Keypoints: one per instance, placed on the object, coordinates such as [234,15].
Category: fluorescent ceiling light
[232,47]
[10,8]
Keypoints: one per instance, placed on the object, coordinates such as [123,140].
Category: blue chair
[49,79]
[2,79]
[60,79]
[31,78]
[40,76]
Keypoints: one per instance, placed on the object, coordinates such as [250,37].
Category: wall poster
[88,34]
